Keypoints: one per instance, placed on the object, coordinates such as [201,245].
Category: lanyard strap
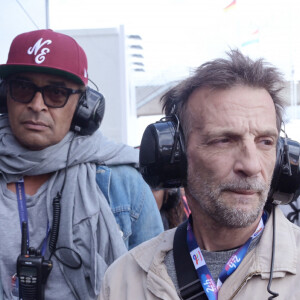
[186,208]
[23,215]
[210,287]
[20,191]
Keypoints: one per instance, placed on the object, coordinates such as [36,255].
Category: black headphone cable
[274,294]
[56,219]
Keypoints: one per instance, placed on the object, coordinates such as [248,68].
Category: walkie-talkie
[32,270]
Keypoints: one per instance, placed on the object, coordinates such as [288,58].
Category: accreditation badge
[15,287]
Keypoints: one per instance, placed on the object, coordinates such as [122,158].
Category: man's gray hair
[225,74]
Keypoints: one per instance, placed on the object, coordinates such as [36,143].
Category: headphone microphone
[163,162]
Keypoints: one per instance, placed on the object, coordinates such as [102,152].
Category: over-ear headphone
[163,161]
[88,114]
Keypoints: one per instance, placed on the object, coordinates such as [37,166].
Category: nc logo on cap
[39,58]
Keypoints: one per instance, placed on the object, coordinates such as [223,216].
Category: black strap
[190,286]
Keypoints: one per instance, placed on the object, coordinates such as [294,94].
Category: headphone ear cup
[3,97]
[89,112]
[162,155]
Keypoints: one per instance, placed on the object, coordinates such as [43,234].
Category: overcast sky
[179,35]
[175,33]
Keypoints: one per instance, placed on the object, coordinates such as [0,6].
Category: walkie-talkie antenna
[24,238]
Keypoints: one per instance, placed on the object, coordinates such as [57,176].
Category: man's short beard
[208,196]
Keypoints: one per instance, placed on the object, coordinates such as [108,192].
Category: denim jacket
[131,202]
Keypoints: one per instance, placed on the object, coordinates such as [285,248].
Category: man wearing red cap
[58,231]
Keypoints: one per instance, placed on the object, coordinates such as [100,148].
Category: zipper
[243,283]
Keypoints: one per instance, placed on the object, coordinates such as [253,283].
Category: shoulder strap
[189,284]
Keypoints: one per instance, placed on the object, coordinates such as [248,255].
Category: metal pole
[47,13]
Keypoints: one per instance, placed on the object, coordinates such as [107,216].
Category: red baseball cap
[46,51]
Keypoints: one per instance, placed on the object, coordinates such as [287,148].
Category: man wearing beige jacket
[230,112]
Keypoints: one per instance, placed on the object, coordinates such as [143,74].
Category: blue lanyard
[210,287]
[20,191]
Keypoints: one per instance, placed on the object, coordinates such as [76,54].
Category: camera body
[285,185]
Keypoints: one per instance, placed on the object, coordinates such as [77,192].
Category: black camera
[32,271]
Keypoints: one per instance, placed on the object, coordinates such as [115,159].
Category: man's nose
[37,103]
[248,159]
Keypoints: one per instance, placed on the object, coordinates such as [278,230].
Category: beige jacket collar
[150,257]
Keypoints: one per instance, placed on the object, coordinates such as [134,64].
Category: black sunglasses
[23,91]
